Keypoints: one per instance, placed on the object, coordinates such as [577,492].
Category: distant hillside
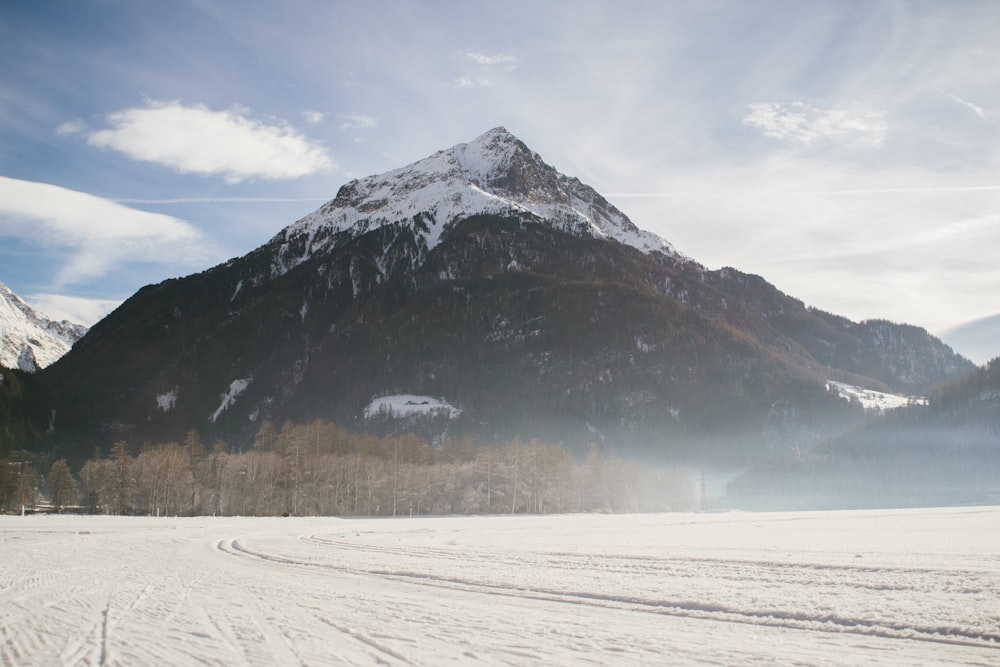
[943,453]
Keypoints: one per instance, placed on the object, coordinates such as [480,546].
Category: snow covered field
[902,587]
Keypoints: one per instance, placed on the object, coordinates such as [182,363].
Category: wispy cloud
[804,124]
[467,81]
[73,308]
[314,117]
[487,63]
[976,109]
[98,234]
[710,194]
[357,121]
[197,140]
[218,200]
[71,127]
[498,59]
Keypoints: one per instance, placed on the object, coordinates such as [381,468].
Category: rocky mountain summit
[496,174]
[28,339]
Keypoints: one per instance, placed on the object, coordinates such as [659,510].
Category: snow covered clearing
[874,400]
[832,588]
[405,405]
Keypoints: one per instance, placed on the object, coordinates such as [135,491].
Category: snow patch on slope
[872,400]
[166,401]
[236,387]
[405,405]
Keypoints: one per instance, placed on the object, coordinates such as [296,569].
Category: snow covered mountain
[495,174]
[28,339]
[479,278]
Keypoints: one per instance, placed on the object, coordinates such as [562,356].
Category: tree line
[321,469]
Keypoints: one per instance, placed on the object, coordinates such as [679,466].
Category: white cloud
[357,121]
[72,308]
[801,123]
[197,140]
[98,234]
[498,59]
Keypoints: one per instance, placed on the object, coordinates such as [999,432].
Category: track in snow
[825,588]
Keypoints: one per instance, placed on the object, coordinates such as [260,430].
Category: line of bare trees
[322,469]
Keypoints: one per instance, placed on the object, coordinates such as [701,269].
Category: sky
[848,152]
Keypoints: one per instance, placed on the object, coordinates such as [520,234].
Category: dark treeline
[321,469]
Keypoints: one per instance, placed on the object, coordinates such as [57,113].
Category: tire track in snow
[685,608]
[382,650]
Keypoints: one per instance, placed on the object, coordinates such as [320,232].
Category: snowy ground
[903,587]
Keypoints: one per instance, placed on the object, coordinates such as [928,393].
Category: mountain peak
[494,174]
[28,336]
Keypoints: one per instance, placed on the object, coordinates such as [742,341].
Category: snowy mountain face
[28,339]
[495,174]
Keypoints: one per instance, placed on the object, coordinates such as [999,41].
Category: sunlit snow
[28,339]
[167,400]
[456,183]
[236,387]
[874,400]
[404,405]
[901,587]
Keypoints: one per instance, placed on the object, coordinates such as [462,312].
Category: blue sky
[849,152]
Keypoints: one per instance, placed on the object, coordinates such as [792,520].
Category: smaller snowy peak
[495,174]
[28,339]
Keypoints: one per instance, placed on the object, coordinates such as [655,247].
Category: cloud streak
[197,140]
[74,309]
[803,124]
[357,121]
[219,200]
[498,59]
[976,109]
[98,233]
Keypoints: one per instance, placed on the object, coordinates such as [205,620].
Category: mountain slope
[28,339]
[943,453]
[483,277]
